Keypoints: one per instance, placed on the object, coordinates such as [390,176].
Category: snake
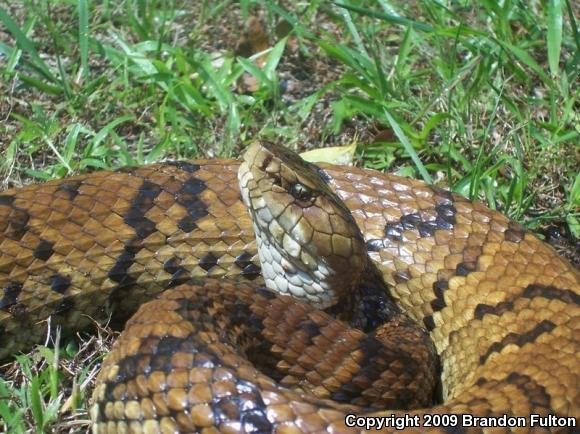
[329,307]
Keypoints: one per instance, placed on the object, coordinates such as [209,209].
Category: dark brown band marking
[371,349]
[66,305]
[60,283]
[375,245]
[18,222]
[464,268]
[445,196]
[311,330]
[231,410]
[6,200]
[244,406]
[437,304]
[429,323]
[247,407]
[439,287]
[184,165]
[43,250]
[119,272]
[445,220]
[375,362]
[372,305]
[244,262]
[266,293]
[70,188]
[445,215]
[188,197]
[531,291]
[519,339]
[393,231]
[143,227]
[410,221]
[515,232]
[144,201]
[178,273]
[536,393]
[208,261]
[427,229]
[10,297]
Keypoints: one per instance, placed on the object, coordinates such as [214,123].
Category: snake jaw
[306,236]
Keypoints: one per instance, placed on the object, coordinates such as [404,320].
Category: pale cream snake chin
[348,294]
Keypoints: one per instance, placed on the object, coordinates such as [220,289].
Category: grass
[48,389]
[479,97]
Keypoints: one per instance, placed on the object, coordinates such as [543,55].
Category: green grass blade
[353,31]
[251,68]
[15,55]
[297,26]
[576,62]
[575,192]
[59,51]
[35,402]
[357,61]
[304,106]
[554,34]
[220,90]
[11,411]
[84,37]
[106,130]
[574,202]
[274,58]
[41,85]
[523,56]
[49,142]
[432,123]
[387,17]
[26,44]
[146,65]
[408,147]
[404,50]
[70,142]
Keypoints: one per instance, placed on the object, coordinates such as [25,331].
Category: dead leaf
[342,155]
[386,135]
[254,40]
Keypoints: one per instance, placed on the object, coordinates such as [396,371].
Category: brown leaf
[386,135]
[254,40]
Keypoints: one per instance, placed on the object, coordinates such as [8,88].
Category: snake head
[308,242]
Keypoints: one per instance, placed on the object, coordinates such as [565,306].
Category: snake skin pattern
[502,308]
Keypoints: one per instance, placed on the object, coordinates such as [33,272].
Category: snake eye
[301,193]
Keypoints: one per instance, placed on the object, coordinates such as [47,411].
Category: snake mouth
[306,236]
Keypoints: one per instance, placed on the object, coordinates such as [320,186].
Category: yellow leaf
[334,154]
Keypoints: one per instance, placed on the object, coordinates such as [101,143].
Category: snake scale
[501,308]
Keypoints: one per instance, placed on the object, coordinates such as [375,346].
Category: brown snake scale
[501,307]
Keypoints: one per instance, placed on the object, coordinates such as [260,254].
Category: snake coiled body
[502,308]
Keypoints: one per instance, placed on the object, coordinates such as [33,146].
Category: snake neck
[370,305]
